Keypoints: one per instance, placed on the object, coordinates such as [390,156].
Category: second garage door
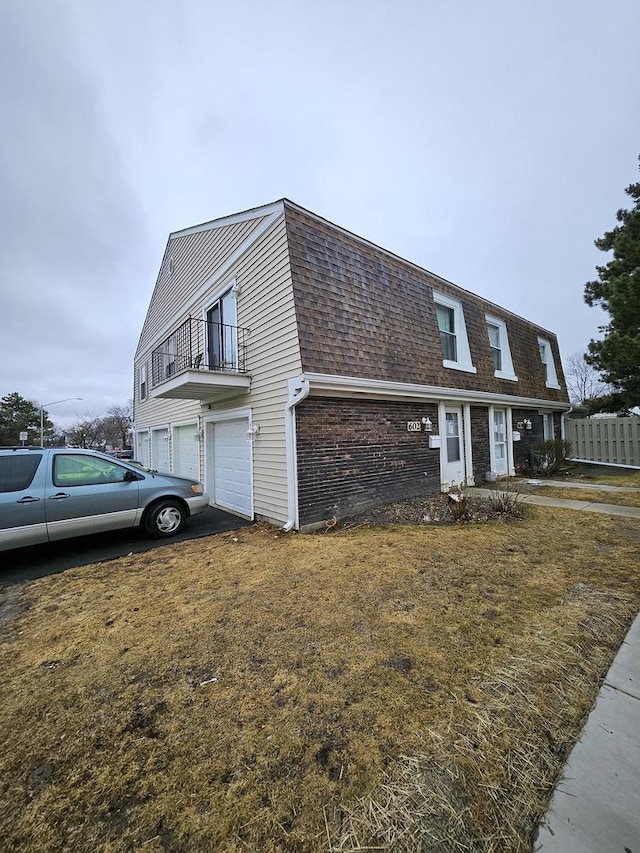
[232,466]
[186,451]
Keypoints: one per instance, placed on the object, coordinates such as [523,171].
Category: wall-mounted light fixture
[254,429]
[426,423]
[527,423]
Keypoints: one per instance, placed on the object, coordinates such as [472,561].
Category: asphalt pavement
[22,564]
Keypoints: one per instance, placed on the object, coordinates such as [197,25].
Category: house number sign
[414,426]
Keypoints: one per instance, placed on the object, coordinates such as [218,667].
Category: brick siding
[480,439]
[353,454]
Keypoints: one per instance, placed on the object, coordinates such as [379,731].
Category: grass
[265,692]
[606,475]
[620,498]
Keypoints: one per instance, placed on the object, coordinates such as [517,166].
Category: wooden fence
[609,440]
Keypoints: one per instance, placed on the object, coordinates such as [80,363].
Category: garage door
[142,448]
[186,451]
[232,466]
[160,449]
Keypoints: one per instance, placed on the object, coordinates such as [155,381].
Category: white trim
[455,365]
[221,273]
[507,371]
[510,457]
[460,330]
[468,444]
[298,391]
[232,219]
[552,376]
[328,384]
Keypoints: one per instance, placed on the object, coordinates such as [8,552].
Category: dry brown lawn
[607,475]
[619,498]
[401,688]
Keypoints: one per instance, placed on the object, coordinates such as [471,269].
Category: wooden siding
[364,312]
[265,306]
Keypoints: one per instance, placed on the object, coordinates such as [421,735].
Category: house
[303,372]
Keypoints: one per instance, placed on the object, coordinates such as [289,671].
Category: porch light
[426,422]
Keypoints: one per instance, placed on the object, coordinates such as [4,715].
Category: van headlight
[197,489]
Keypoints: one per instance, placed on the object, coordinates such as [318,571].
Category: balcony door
[222,333]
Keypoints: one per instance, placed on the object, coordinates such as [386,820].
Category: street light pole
[42,408]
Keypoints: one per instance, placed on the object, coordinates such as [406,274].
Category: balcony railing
[199,345]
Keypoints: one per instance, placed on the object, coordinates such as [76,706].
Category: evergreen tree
[19,415]
[617,291]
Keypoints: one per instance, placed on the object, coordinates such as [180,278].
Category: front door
[453,466]
[499,437]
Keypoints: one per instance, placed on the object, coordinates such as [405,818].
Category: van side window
[17,472]
[70,469]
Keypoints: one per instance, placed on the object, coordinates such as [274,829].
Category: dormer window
[453,333]
[548,364]
[500,351]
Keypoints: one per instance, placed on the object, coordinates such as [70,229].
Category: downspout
[563,431]
[298,391]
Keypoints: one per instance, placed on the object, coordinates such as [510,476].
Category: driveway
[24,564]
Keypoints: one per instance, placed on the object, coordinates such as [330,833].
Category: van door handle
[28,499]
[60,496]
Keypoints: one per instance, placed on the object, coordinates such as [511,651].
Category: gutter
[299,389]
[563,417]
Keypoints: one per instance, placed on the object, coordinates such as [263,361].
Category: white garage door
[186,451]
[232,466]
[160,449]
[142,448]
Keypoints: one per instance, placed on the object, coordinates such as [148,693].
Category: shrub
[550,457]
[505,499]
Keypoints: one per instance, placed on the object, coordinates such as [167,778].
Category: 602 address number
[414,426]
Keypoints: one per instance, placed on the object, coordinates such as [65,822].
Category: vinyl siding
[265,306]
[196,258]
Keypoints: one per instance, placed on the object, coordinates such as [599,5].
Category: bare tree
[583,382]
[86,432]
[116,426]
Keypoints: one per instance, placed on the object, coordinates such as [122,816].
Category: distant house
[304,373]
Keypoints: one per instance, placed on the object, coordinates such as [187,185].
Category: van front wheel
[166,518]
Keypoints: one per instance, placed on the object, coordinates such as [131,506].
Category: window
[143,381]
[453,333]
[79,470]
[500,350]
[447,327]
[494,343]
[17,471]
[548,365]
[222,333]
[547,426]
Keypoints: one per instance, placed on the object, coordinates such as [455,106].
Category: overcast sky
[489,142]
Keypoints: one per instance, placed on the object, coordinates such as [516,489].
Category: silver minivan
[55,493]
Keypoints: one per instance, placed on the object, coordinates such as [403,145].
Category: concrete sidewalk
[596,804]
[582,506]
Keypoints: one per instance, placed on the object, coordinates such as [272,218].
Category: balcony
[200,360]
